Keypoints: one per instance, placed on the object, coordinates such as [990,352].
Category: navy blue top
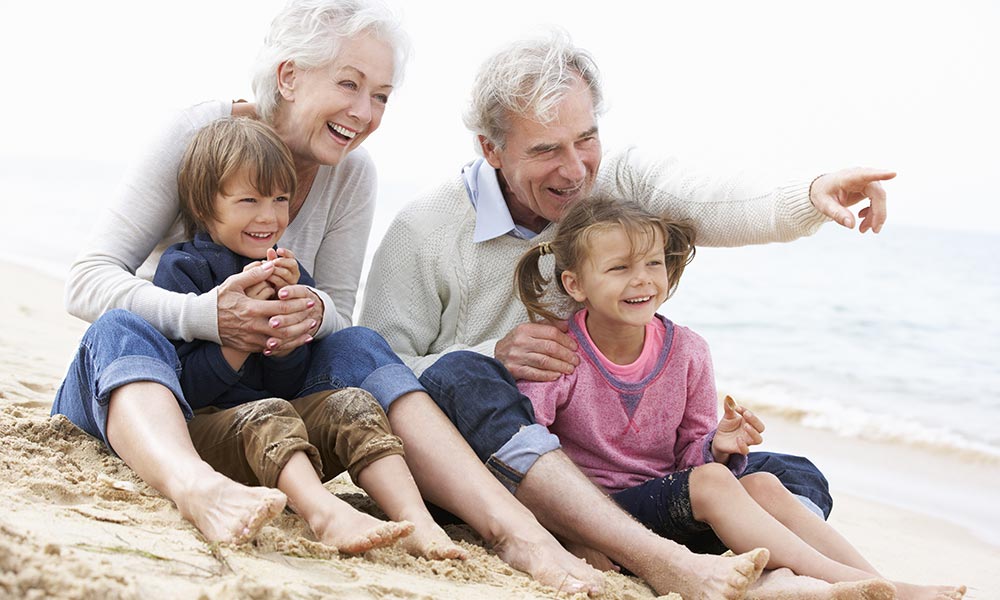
[206,378]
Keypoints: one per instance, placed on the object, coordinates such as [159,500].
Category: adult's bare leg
[570,506]
[147,429]
[450,475]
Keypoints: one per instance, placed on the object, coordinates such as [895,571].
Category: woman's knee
[130,335]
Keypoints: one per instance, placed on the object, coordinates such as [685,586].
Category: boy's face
[248,222]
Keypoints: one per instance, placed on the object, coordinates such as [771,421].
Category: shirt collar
[492,215]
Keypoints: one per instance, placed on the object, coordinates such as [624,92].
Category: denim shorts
[664,506]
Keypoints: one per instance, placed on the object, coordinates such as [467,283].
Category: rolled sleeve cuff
[132,369]
[515,458]
[389,382]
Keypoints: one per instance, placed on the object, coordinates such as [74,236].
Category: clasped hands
[264,309]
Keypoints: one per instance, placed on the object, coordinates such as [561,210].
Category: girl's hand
[259,291]
[738,430]
[286,268]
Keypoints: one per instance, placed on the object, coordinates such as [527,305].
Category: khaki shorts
[338,430]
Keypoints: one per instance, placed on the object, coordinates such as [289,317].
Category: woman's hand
[294,329]
[738,430]
[267,326]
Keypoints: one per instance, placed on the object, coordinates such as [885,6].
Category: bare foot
[909,591]
[594,558]
[542,557]
[783,584]
[226,511]
[430,541]
[706,577]
[354,532]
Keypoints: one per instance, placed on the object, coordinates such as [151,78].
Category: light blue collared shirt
[492,215]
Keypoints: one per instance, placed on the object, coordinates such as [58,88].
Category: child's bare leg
[578,512]
[147,430]
[782,584]
[773,497]
[768,492]
[717,498]
[334,521]
[389,482]
[720,500]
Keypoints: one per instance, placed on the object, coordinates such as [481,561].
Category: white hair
[309,33]
[528,78]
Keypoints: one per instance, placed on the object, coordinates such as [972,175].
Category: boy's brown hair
[221,150]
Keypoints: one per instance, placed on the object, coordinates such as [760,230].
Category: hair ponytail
[530,284]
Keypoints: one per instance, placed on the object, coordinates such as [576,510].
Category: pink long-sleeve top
[626,424]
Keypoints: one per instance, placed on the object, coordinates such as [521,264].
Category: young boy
[252,420]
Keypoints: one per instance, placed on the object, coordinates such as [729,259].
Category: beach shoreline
[79,524]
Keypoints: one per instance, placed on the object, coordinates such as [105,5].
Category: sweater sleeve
[141,215]
[547,397]
[340,250]
[698,426]
[733,211]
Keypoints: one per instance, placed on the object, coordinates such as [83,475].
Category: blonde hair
[570,247]
[223,149]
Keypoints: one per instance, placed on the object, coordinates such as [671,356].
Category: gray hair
[528,78]
[309,33]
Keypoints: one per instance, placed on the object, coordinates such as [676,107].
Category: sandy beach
[77,523]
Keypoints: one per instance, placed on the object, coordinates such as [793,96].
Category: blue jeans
[481,398]
[121,348]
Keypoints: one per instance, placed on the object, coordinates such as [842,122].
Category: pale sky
[789,88]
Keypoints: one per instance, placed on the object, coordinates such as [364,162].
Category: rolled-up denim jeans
[480,397]
[121,348]
[117,349]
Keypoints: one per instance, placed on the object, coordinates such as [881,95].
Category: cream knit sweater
[432,290]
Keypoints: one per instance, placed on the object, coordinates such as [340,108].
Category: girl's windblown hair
[570,247]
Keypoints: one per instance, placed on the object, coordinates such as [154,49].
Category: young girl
[638,414]
[235,182]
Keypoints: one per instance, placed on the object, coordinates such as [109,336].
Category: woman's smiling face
[328,111]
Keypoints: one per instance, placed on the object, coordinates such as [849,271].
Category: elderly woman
[323,79]
[322,82]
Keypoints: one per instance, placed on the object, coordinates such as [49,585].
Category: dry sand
[76,523]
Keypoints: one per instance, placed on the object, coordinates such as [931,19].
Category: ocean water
[890,337]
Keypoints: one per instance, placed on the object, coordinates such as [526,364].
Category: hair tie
[544,248]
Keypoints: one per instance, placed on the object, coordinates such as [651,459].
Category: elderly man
[440,288]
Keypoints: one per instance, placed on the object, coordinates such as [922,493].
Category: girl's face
[620,289]
[248,222]
[328,111]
